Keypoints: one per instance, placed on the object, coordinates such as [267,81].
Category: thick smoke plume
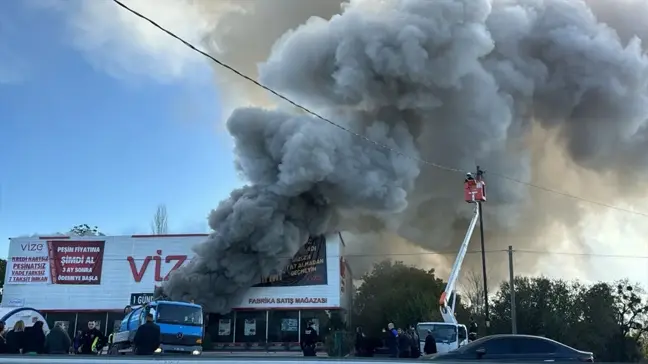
[535,90]
[299,171]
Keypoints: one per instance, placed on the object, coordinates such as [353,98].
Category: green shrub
[339,343]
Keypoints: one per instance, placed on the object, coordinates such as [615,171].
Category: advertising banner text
[307,268]
[76,262]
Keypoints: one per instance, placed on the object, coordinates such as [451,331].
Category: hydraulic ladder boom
[449,294]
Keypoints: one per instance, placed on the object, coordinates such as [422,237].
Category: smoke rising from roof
[535,90]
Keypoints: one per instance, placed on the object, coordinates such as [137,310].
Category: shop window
[283,326]
[221,328]
[99,319]
[66,319]
[318,318]
[250,327]
[114,321]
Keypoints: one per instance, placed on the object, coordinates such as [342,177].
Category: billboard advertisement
[307,268]
[110,272]
[56,262]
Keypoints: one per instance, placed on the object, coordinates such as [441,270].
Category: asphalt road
[219,359]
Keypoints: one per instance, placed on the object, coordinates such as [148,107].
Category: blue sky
[81,145]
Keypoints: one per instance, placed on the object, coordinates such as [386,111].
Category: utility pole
[512,288]
[483,256]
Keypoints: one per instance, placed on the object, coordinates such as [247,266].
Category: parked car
[515,348]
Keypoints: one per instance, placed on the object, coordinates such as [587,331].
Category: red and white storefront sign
[55,261]
[101,273]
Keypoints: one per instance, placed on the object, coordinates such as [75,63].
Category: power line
[574,254]
[358,135]
[565,194]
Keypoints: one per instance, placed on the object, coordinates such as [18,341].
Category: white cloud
[124,45]
[240,32]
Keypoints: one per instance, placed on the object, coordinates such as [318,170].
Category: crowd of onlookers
[33,340]
[401,343]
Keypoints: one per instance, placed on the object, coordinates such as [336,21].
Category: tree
[632,310]
[395,292]
[544,307]
[606,319]
[630,313]
[159,225]
[85,230]
[473,293]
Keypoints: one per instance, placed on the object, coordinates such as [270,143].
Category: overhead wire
[359,135]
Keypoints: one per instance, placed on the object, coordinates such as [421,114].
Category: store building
[74,280]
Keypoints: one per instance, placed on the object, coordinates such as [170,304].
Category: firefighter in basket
[475,187]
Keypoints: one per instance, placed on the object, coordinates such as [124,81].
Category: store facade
[73,280]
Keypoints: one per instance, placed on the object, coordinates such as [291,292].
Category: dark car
[515,348]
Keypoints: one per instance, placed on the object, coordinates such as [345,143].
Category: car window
[530,345]
[471,346]
[494,346]
[462,333]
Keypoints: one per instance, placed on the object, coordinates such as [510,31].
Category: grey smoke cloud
[536,90]
[300,171]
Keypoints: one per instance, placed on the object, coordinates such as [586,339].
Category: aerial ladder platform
[449,334]
[475,193]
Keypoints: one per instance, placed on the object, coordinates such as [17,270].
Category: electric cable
[358,135]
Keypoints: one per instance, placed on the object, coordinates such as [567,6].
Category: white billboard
[105,273]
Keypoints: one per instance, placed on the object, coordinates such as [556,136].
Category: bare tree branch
[159,225]
[472,288]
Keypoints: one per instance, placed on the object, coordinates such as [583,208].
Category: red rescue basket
[474,189]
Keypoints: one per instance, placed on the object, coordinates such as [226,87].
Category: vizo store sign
[139,299]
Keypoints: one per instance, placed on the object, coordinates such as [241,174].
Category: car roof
[524,336]
[518,335]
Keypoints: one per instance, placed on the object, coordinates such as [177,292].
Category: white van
[448,336]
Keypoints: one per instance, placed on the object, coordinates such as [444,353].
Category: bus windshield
[179,314]
[442,333]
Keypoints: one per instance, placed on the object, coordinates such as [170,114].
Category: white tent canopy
[10,315]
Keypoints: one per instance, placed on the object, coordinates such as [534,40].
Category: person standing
[430,344]
[404,344]
[147,337]
[57,341]
[76,342]
[3,339]
[34,339]
[415,342]
[309,340]
[392,340]
[472,329]
[91,340]
[360,342]
[16,338]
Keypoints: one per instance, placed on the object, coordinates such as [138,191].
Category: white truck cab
[447,336]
